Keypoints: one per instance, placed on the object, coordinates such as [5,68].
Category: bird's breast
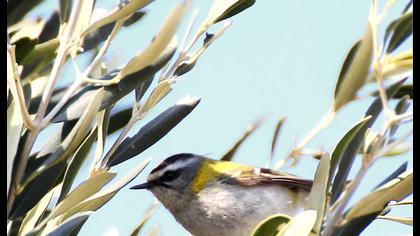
[223,209]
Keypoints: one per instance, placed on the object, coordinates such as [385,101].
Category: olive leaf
[100,198]
[66,227]
[340,149]
[160,42]
[146,216]
[232,150]
[153,131]
[119,119]
[224,9]
[393,175]
[17,9]
[354,71]
[64,10]
[84,190]
[301,224]
[400,108]
[270,226]
[402,220]
[317,197]
[394,190]
[398,31]
[75,164]
[35,213]
[116,14]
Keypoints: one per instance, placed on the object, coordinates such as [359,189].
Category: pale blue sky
[279,58]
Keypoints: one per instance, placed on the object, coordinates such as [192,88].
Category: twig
[322,124]
[82,79]
[17,91]
[120,138]
[59,62]
[183,51]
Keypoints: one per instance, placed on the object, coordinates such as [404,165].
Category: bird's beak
[145,185]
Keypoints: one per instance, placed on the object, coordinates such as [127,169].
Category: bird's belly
[228,210]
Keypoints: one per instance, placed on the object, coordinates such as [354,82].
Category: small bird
[218,198]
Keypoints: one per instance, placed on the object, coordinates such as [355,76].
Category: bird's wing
[267,176]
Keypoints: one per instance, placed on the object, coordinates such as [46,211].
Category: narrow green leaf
[398,149]
[64,10]
[232,150]
[346,65]
[14,129]
[356,225]
[84,190]
[300,225]
[35,213]
[357,72]
[276,135]
[153,131]
[51,28]
[398,31]
[400,108]
[24,46]
[76,163]
[402,220]
[146,216]
[270,225]
[224,9]
[142,88]
[317,197]
[395,190]
[394,175]
[70,224]
[97,200]
[17,9]
[94,38]
[404,90]
[117,13]
[119,119]
[102,125]
[341,147]
[164,37]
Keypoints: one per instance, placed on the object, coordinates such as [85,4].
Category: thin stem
[82,79]
[184,51]
[297,151]
[104,47]
[120,138]
[100,143]
[17,91]
[189,29]
[69,93]
[325,121]
[59,61]
[378,72]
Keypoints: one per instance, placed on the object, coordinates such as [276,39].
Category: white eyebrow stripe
[171,167]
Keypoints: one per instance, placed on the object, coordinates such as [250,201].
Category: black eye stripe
[170,175]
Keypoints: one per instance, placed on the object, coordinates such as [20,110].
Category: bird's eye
[170,175]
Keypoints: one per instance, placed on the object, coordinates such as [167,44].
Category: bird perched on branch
[211,197]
